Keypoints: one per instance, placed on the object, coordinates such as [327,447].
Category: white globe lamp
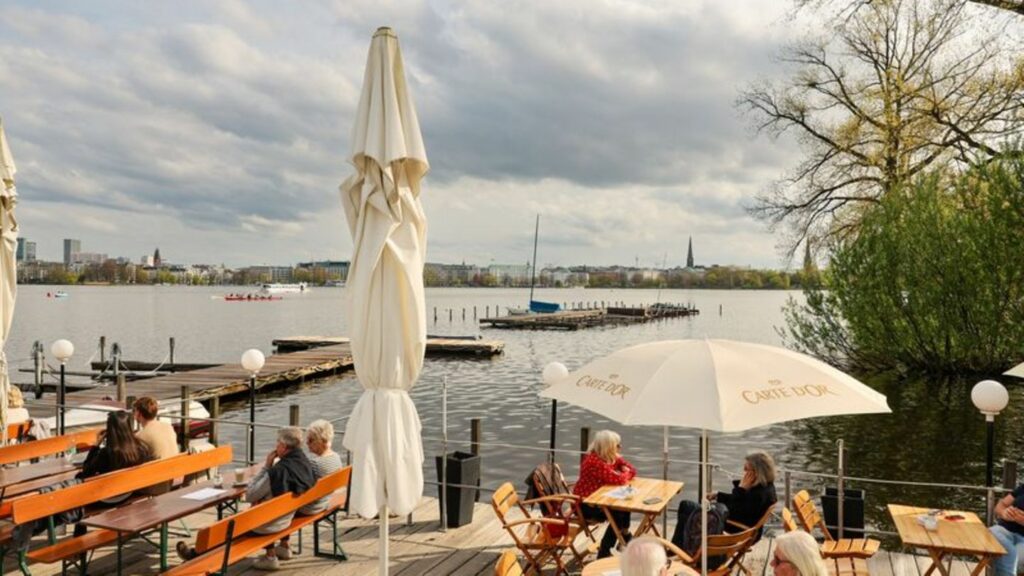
[253,360]
[62,350]
[554,372]
[989,397]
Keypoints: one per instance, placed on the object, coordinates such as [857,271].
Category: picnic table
[957,532]
[145,515]
[13,476]
[654,490]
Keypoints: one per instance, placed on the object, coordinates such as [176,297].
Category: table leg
[613,526]
[118,554]
[983,563]
[645,525]
[937,556]
[652,521]
[163,547]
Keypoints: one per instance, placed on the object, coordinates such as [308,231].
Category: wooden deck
[588,318]
[420,548]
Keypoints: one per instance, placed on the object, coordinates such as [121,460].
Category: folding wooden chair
[508,564]
[788,522]
[809,517]
[534,536]
[548,481]
[758,529]
[730,546]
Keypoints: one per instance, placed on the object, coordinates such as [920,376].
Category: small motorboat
[57,294]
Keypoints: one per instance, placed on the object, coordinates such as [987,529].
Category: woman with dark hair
[117,447]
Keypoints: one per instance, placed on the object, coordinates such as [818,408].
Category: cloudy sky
[219,131]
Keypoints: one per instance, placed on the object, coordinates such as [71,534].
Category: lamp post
[989,397]
[62,350]
[252,361]
[554,372]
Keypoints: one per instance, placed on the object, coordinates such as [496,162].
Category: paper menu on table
[622,492]
[204,494]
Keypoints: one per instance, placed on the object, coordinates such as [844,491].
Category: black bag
[716,525]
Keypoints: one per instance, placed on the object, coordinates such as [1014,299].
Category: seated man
[156,434]
[286,469]
[1009,531]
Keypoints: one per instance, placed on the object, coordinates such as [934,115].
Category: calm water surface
[934,433]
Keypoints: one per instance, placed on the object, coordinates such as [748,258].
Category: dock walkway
[420,548]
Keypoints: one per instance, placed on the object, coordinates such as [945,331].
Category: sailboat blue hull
[543,307]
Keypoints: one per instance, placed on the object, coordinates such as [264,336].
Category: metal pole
[704,503]
[60,401]
[990,429]
[840,491]
[252,419]
[442,504]
[533,274]
[664,473]
[554,428]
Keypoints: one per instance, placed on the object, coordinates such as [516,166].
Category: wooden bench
[93,490]
[48,446]
[232,539]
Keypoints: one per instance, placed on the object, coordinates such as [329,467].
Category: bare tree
[901,86]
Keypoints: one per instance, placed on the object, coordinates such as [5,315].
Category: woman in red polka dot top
[601,466]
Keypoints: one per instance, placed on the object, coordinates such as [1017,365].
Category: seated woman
[750,498]
[601,466]
[797,554]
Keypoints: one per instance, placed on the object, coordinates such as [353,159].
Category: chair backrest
[808,514]
[269,510]
[115,484]
[47,446]
[730,544]
[508,564]
[788,522]
[503,499]
[547,480]
[18,430]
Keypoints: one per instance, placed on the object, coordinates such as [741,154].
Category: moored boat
[284,288]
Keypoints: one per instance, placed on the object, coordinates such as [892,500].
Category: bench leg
[23,562]
[337,553]
[163,547]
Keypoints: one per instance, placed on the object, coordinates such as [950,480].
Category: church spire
[689,254]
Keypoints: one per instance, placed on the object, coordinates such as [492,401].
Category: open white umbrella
[1017,371]
[719,385]
[385,284]
[8,266]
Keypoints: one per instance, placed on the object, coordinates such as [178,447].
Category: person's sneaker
[283,552]
[185,552]
[268,563]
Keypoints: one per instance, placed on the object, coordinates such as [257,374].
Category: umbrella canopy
[8,265]
[720,385]
[387,312]
[1017,371]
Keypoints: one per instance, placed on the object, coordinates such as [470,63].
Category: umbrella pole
[664,473]
[554,429]
[704,502]
[442,502]
[383,567]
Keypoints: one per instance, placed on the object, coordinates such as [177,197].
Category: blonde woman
[603,465]
[16,411]
[797,554]
[644,556]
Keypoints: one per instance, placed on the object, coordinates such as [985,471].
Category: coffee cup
[218,481]
[239,475]
[931,523]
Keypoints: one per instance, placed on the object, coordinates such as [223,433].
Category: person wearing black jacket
[749,499]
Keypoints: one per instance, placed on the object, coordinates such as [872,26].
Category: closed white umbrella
[8,266]
[385,284]
[719,385]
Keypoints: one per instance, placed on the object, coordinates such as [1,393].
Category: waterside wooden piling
[586,318]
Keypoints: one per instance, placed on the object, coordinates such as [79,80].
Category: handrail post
[442,503]
[840,496]
[788,479]
[990,500]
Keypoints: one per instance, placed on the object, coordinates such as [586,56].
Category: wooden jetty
[419,547]
[225,380]
[436,345]
[577,319]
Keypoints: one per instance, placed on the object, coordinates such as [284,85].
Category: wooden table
[12,476]
[967,537]
[646,488]
[144,515]
[610,564]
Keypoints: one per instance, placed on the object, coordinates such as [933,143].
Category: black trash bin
[853,512]
[462,469]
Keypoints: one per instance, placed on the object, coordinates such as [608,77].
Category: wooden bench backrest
[270,510]
[18,429]
[116,483]
[47,446]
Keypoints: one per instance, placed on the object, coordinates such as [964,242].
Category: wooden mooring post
[186,400]
[171,344]
[103,348]
[474,436]
[584,441]
[214,416]
[293,414]
[122,388]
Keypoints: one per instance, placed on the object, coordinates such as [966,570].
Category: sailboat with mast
[537,306]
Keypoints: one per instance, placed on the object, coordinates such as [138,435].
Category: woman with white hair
[797,554]
[644,556]
[603,465]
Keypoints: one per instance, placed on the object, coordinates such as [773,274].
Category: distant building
[510,274]
[71,247]
[156,258]
[270,273]
[82,258]
[26,251]
[147,261]
[330,269]
[689,254]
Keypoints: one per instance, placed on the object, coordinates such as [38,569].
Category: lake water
[934,433]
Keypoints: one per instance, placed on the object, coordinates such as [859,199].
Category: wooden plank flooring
[420,548]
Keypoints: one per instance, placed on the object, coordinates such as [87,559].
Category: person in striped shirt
[324,461]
